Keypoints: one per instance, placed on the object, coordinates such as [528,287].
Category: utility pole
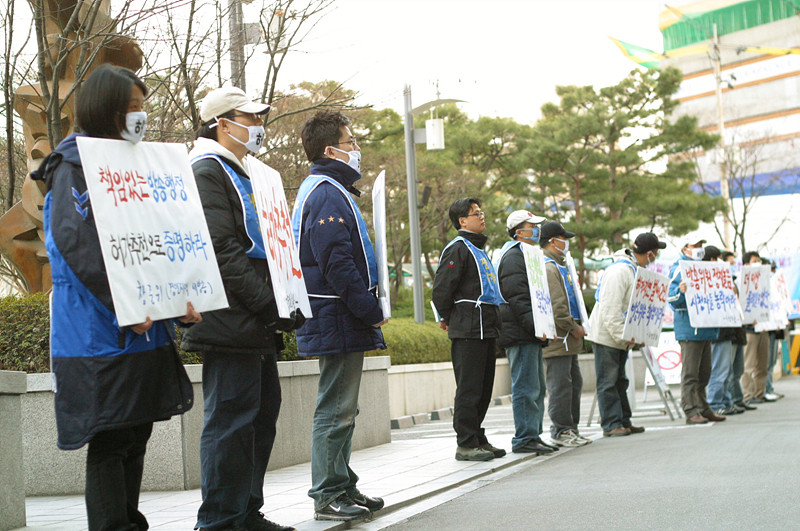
[724,189]
[236,31]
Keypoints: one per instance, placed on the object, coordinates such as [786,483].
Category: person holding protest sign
[467,297]
[756,353]
[563,374]
[774,335]
[733,387]
[239,344]
[518,336]
[110,383]
[695,344]
[606,333]
[341,275]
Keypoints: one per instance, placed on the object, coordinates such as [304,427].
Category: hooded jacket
[565,323]
[614,293]
[249,323]
[684,331]
[335,268]
[105,377]
[517,313]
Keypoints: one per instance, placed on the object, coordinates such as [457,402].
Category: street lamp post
[412,137]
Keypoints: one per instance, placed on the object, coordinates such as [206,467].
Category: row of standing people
[112,383]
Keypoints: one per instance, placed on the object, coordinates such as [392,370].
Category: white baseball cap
[520,216]
[226,99]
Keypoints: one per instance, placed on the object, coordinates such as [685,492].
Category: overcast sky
[504,57]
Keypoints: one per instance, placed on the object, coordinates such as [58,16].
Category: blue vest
[624,262]
[503,250]
[490,289]
[244,188]
[569,286]
[305,190]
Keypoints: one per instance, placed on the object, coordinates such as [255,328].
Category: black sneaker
[373,504]
[498,452]
[551,446]
[258,522]
[341,509]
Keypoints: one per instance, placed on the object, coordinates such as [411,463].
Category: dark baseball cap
[712,251]
[551,229]
[646,242]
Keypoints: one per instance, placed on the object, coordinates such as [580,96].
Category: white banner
[275,224]
[381,254]
[754,293]
[710,299]
[645,315]
[153,234]
[543,320]
[578,293]
[780,304]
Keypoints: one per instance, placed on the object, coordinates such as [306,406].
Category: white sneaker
[772,397]
[567,439]
[580,438]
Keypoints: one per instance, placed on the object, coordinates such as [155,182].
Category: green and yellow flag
[643,56]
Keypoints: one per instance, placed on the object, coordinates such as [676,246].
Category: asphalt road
[743,473]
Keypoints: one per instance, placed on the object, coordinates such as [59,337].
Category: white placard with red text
[543,319]
[780,304]
[645,316]
[153,234]
[710,298]
[754,293]
[275,223]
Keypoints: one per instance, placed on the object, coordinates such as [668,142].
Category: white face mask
[354,159]
[255,139]
[566,245]
[697,253]
[135,126]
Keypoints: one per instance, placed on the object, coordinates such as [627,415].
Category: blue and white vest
[244,188]
[308,186]
[569,286]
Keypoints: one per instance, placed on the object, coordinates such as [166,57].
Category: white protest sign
[710,299]
[779,304]
[275,224]
[667,355]
[645,315]
[754,293]
[578,293]
[543,320]
[153,234]
[381,254]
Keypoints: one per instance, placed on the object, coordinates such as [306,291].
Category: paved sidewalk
[417,464]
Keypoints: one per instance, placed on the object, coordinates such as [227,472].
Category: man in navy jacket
[341,277]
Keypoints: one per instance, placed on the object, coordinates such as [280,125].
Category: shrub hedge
[25,338]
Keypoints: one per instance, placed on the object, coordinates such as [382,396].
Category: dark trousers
[473,364]
[564,384]
[695,374]
[612,387]
[114,465]
[242,400]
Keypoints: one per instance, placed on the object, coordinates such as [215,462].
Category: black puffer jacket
[457,278]
[243,327]
[517,313]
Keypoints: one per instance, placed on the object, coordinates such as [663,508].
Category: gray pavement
[650,474]
[743,473]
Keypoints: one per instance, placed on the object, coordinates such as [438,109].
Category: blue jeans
[721,366]
[612,387]
[242,395]
[334,423]
[734,380]
[771,361]
[527,391]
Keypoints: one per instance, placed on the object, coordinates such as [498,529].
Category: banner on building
[153,234]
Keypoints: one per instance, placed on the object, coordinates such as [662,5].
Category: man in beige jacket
[606,325]
[562,374]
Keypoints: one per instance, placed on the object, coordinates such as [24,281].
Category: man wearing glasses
[341,276]
[467,296]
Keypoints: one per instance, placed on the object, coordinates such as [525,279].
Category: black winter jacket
[517,313]
[248,324]
[457,278]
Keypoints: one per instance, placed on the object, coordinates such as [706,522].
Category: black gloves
[293,322]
